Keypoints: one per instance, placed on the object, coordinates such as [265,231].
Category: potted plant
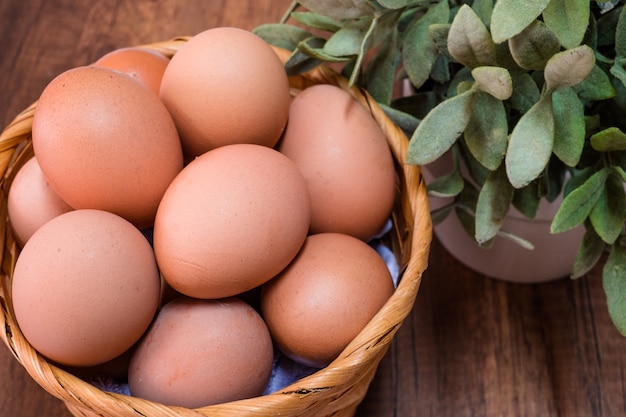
[526,99]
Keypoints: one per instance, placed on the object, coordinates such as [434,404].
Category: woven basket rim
[339,387]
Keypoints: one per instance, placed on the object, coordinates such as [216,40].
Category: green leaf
[465,209]
[568,19]
[463,76]
[405,121]
[398,4]
[551,182]
[620,171]
[614,284]
[314,48]
[505,59]
[466,219]
[368,40]
[438,131]
[347,40]
[409,15]
[609,139]
[484,9]
[578,178]
[448,185]
[619,100]
[316,21]
[339,9]
[592,122]
[440,72]
[381,70]
[534,46]
[487,131]
[591,35]
[464,86]
[419,52]
[492,206]
[510,17]
[530,144]
[597,86]
[609,212]
[299,62]
[569,126]
[569,67]
[438,34]
[618,161]
[282,35]
[393,4]
[577,205]
[384,23]
[526,200]
[606,25]
[588,254]
[494,80]
[620,34]
[469,41]
[618,70]
[419,104]
[478,173]
[525,92]
[440,214]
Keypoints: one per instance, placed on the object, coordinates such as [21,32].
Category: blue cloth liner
[284,370]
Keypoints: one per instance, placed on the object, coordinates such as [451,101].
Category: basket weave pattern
[333,391]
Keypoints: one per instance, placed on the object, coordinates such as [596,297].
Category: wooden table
[472,346]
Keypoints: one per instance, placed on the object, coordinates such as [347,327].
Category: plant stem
[292,7]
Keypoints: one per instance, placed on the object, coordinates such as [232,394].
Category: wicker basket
[333,391]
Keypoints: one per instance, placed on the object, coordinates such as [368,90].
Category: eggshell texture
[224,86]
[85,287]
[230,221]
[345,158]
[31,202]
[202,352]
[325,297]
[144,65]
[106,142]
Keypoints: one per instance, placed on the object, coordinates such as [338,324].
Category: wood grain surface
[472,346]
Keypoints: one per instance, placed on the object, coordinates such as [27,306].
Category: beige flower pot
[551,259]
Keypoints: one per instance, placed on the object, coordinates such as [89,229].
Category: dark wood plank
[474,346]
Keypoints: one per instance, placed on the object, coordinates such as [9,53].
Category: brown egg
[202,352]
[230,221]
[345,158]
[106,142]
[224,86]
[144,65]
[85,287]
[31,202]
[325,297]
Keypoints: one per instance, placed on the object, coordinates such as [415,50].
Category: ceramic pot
[552,257]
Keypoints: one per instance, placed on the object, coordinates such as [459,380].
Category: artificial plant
[529,96]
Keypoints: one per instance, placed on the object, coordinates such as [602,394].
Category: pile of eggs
[190,218]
